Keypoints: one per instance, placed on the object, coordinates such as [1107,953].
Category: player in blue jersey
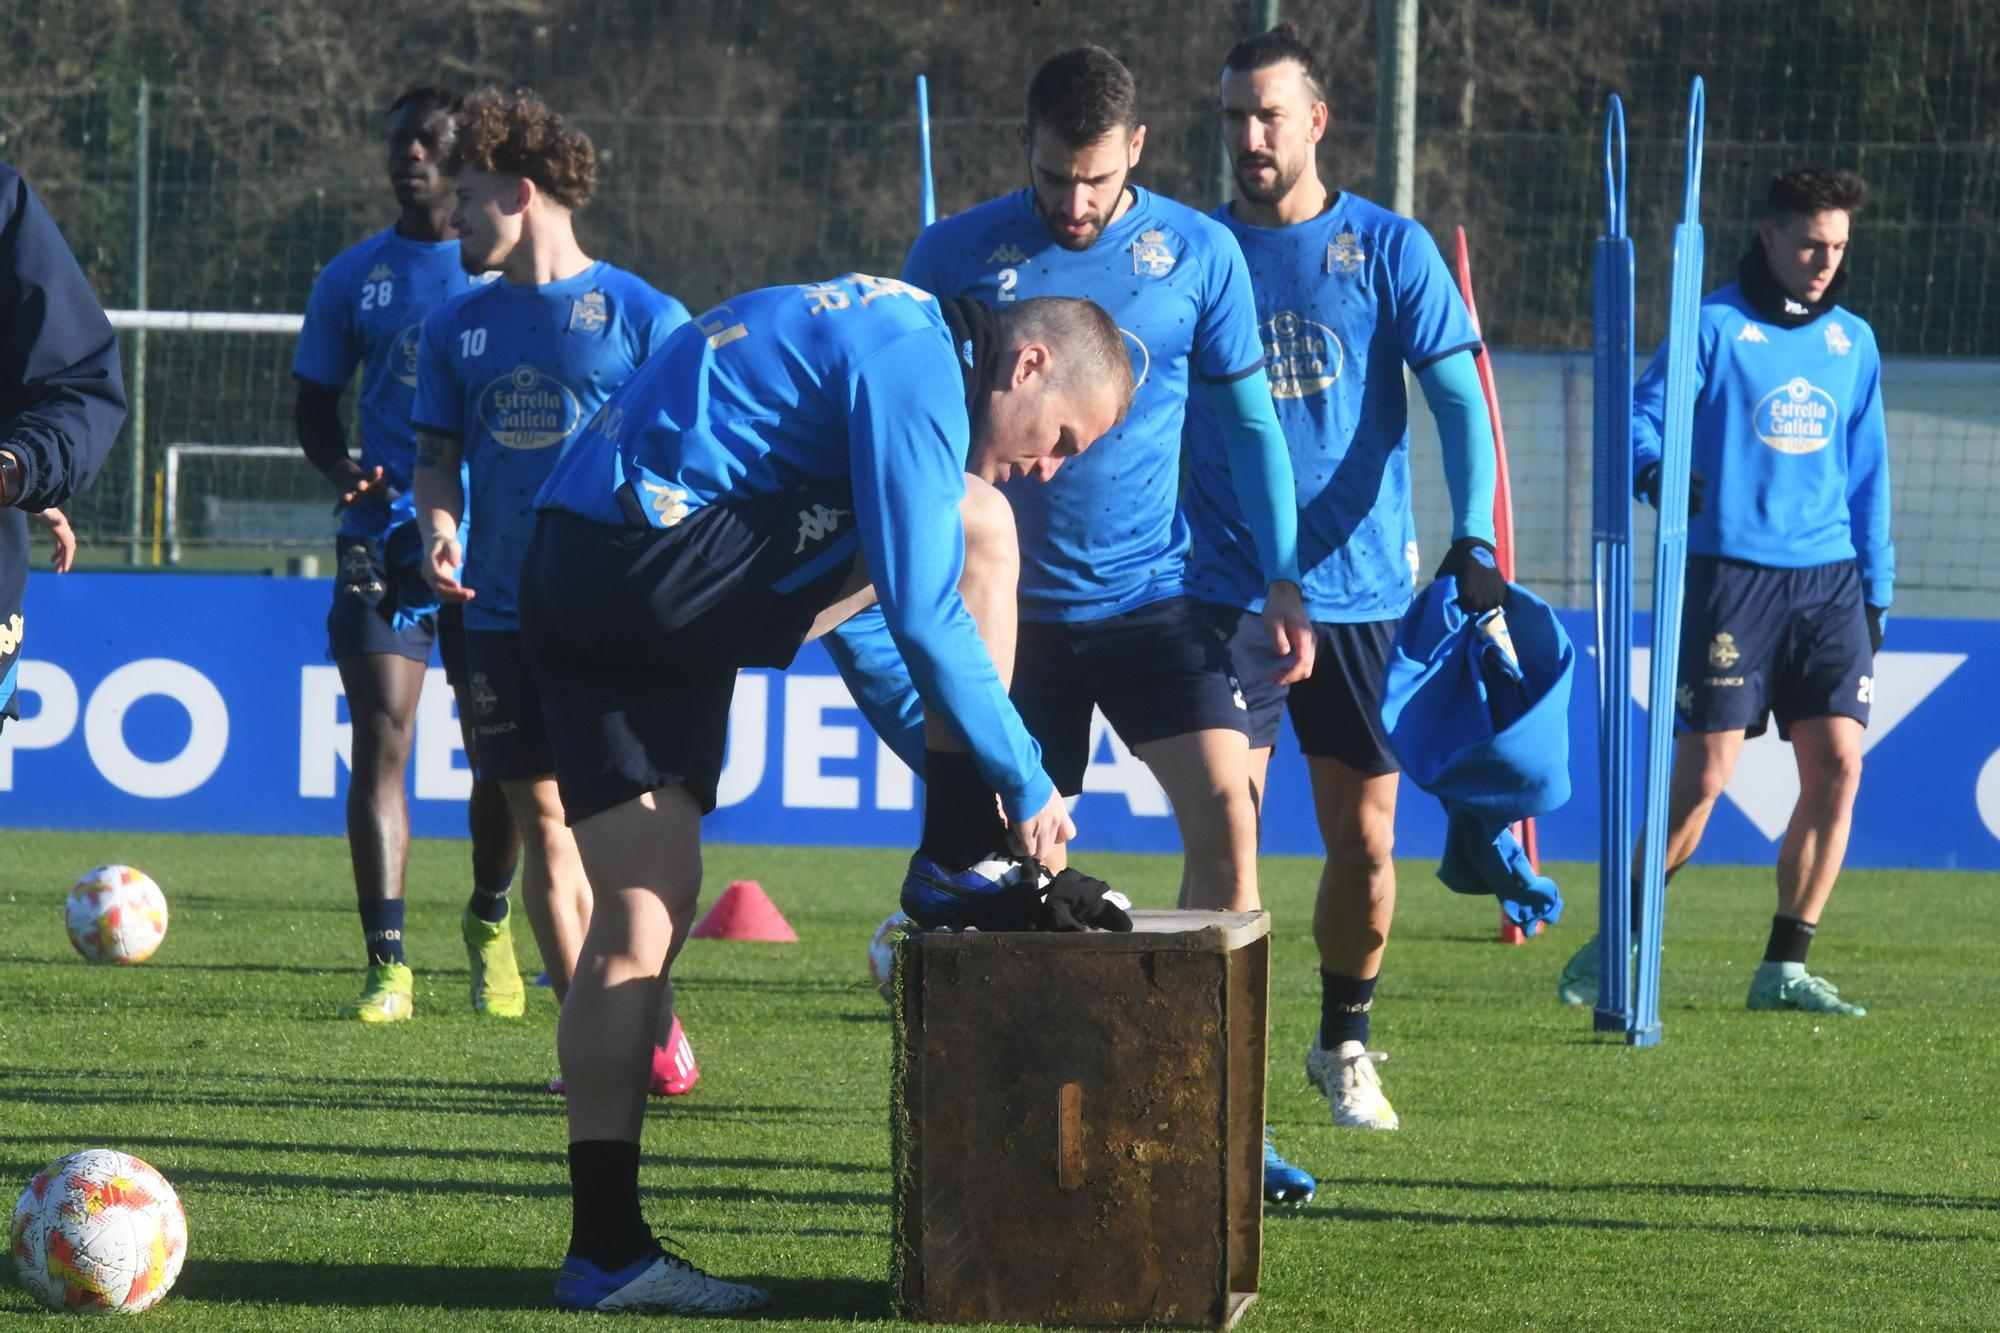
[365,311]
[507,376]
[1348,294]
[796,454]
[1790,567]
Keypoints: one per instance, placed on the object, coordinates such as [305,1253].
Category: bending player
[507,376]
[1790,569]
[793,455]
[1348,294]
[365,311]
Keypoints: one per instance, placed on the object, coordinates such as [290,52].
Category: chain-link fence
[219,155]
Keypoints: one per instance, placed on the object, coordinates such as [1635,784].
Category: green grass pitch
[1757,1170]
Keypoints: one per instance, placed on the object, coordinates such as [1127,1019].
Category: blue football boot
[991,894]
[1284,1183]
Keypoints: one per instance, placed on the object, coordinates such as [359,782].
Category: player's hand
[1647,487]
[1046,831]
[353,484]
[1480,587]
[1878,618]
[441,565]
[1290,632]
[65,538]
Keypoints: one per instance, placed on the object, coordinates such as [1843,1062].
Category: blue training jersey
[514,372]
[852,378]
[1788,438]
[1344,301]
[367,309]
[1106,534]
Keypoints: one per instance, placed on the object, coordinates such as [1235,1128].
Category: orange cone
[744,912]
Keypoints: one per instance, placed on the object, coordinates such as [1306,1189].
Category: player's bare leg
[1352,913]
[1828,753]
[1206,776]
[382,691]
[554,888]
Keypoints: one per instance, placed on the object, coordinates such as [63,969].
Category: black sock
[1790,938]
[1344,1003]
[489,902]
[382,930]
[606,1226]
[961,816]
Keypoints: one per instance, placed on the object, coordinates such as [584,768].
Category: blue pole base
[1609,1020]
[1643,1036]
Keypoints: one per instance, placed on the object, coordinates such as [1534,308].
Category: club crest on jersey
[1836,339]
[588,313]
[1345,255]
[1751,334]
[1301,357]
[483,696]
[525,409]
[1150,255]
[403,357]
[1007,253]
[1796,418]
[1723,653]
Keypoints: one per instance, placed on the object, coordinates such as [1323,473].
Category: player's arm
[64,537]
[62,396]
[865,654]
[1649,411]
[1465,432]
[440,501]
[323,440]
[906,461]
[1868,496]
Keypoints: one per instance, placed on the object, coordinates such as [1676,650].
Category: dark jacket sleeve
[62,395]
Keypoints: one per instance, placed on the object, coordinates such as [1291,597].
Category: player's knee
[1363,846]
[1836,773]
[991,546]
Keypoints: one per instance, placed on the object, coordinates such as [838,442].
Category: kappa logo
[1007,253]
[588,313]
[1723,654]
[669,502]
[817,524]
[1345,256]
[379,273]
[1752,334]
[1836,339]
[1684,698]
[1236,689]
[1150,255]
[484,698]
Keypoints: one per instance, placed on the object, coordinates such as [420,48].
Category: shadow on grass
[1687,1190]
[1747,1229]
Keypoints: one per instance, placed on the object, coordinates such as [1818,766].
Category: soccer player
[1790,567]
[1348,294]
[794,454]
[507,376]
[365,311]
[62,397]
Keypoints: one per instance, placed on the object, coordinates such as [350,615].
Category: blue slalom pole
[1670,571]
[1611,437]
[929,205]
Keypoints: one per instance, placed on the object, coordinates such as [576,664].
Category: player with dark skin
[383,688]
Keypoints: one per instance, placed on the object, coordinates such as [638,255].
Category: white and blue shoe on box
[656,1284]
[939,899]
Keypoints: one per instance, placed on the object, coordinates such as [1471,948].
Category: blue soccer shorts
[1757,641]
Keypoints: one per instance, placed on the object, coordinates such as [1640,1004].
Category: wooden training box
[1078,1123]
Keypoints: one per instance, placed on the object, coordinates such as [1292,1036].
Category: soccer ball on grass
[99,1232]
[116,915]
[882,950]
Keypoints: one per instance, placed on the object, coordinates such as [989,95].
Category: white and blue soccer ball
[882,950]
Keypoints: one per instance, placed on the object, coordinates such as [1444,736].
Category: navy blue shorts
[1336,711]
[1757,641]
[637,633]
[372,578]
[451,645]
[510,742]
[1156,671]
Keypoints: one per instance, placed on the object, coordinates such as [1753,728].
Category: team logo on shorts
[1796,418]
[403,356]
[1007,253]
[357,571]
[1684,698]
[1836,339]
[817,524]
[525,409]
[588,313]
[1722,654]
[483,696]
[1345,256]
[1151,256]
[1301,357]
[1236,689]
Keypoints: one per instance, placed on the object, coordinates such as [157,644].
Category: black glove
[1480,587]
[1076,902]
[1876,616]
[1647,487]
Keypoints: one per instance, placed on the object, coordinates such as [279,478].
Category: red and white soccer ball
[99,1232]
[882,949]
[116,915]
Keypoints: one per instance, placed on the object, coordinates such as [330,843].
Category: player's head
[513,159]
[1807,213]
[1083,138]
[1065,379]
[1273,113]
[421,129]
